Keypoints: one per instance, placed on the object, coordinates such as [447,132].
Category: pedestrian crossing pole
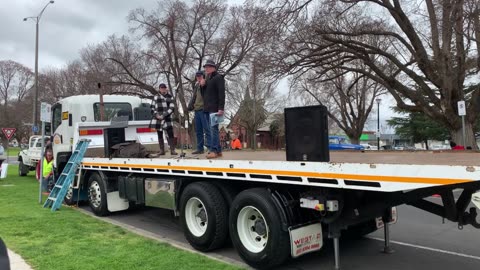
[462,112]
[45,110]
[42,153]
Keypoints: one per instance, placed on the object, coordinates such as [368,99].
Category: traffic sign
[34,129]
[8,132]
[461,108]
[45,110]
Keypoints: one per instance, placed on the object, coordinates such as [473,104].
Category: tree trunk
[355,140]
[354,136]
[470,141]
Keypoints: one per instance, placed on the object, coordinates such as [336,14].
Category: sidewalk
[16,262]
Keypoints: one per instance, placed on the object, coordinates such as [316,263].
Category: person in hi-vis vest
[47,171]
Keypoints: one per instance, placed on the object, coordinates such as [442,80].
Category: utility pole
[254,107]
[378,123]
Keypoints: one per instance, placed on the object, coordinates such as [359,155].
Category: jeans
[47,183]
[214,143]
[202,127]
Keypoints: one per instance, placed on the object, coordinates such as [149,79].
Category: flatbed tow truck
[270,208]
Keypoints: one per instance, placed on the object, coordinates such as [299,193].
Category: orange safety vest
[236,144]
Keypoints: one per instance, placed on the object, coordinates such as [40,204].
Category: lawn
[12,151]
[68,239]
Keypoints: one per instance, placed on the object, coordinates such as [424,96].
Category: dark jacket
[213,93]
[191,104]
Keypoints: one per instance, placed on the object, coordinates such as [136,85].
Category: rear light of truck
[87,132]
[145,130]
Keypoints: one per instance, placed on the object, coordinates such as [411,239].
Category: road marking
[428,248]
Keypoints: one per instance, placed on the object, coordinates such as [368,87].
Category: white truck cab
[74,111]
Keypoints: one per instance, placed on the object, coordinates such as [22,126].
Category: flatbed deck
[381,171]
[462,158]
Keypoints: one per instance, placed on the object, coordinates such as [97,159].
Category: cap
[210,63]
[162,85]
[199,73]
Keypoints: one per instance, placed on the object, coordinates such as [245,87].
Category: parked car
[368,146]
[440,147]
[342,143]
[3,155]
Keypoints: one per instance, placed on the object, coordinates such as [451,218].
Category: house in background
[264,137]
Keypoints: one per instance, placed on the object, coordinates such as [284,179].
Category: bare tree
[15,83]
[253,98]
[424,56]
[349,97]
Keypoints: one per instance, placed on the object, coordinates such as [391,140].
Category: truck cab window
[112,110]
[57,117]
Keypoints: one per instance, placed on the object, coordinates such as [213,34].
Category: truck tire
[204,216]
[228,192]
[256,230]
[97,197]
[68,200]
[22,169]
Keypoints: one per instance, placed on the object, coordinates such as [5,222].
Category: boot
[172,147]
[162,148]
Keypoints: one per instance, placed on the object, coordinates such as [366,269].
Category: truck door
[57,132]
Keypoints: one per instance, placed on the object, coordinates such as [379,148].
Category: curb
[163,239]
[17,262]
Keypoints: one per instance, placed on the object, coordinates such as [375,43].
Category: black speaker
[306,133]
[112,136]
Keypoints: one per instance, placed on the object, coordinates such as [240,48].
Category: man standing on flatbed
[163,108]
[213,89]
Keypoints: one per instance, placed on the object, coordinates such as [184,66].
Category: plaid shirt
[163,105]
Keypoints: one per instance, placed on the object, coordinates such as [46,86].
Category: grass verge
[12,151]
[68,239]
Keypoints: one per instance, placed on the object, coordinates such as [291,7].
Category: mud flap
[476,199]
[394,215]
[305,239]
[115,203]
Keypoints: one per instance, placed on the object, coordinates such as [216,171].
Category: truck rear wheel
[22,169]
[256,231]
[97,197]
[204,216]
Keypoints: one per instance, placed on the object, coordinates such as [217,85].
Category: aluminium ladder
[63,183]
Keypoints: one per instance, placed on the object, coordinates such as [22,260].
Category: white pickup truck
[28,158]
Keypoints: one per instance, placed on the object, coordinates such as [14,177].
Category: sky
[67,26]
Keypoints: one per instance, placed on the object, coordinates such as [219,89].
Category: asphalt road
[12,160]
[420,241]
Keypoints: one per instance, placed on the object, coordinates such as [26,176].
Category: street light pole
[378,123]
[35,94]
